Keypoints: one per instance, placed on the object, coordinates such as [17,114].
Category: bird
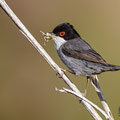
[77,54]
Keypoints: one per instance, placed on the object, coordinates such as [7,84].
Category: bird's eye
[62,34]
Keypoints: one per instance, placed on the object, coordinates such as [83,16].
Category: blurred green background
[27,82]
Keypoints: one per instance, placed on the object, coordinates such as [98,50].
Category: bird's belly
[78,66]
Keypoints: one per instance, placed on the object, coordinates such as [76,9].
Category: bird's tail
[110,67]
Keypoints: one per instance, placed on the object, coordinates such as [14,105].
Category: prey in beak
[48,36]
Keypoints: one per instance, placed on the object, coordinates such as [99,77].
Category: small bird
[77,54]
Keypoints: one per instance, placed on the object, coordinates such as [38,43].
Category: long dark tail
[110,67]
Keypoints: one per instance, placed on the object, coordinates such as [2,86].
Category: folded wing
[79,49]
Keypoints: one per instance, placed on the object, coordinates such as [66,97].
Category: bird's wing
[79,49]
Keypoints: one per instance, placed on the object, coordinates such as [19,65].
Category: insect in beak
[47,37]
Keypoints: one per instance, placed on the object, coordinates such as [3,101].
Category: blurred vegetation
[27,83]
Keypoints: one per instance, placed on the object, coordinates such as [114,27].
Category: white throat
[58,41]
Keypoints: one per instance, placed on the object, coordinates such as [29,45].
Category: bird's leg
[70,72]
[85,92]
[63,72]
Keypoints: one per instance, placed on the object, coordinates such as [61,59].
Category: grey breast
[75,65]
[78,66]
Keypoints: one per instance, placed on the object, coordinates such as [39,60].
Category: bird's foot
[63,72]
[61,75]
[85,93]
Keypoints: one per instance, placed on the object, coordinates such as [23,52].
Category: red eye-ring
[62,34]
